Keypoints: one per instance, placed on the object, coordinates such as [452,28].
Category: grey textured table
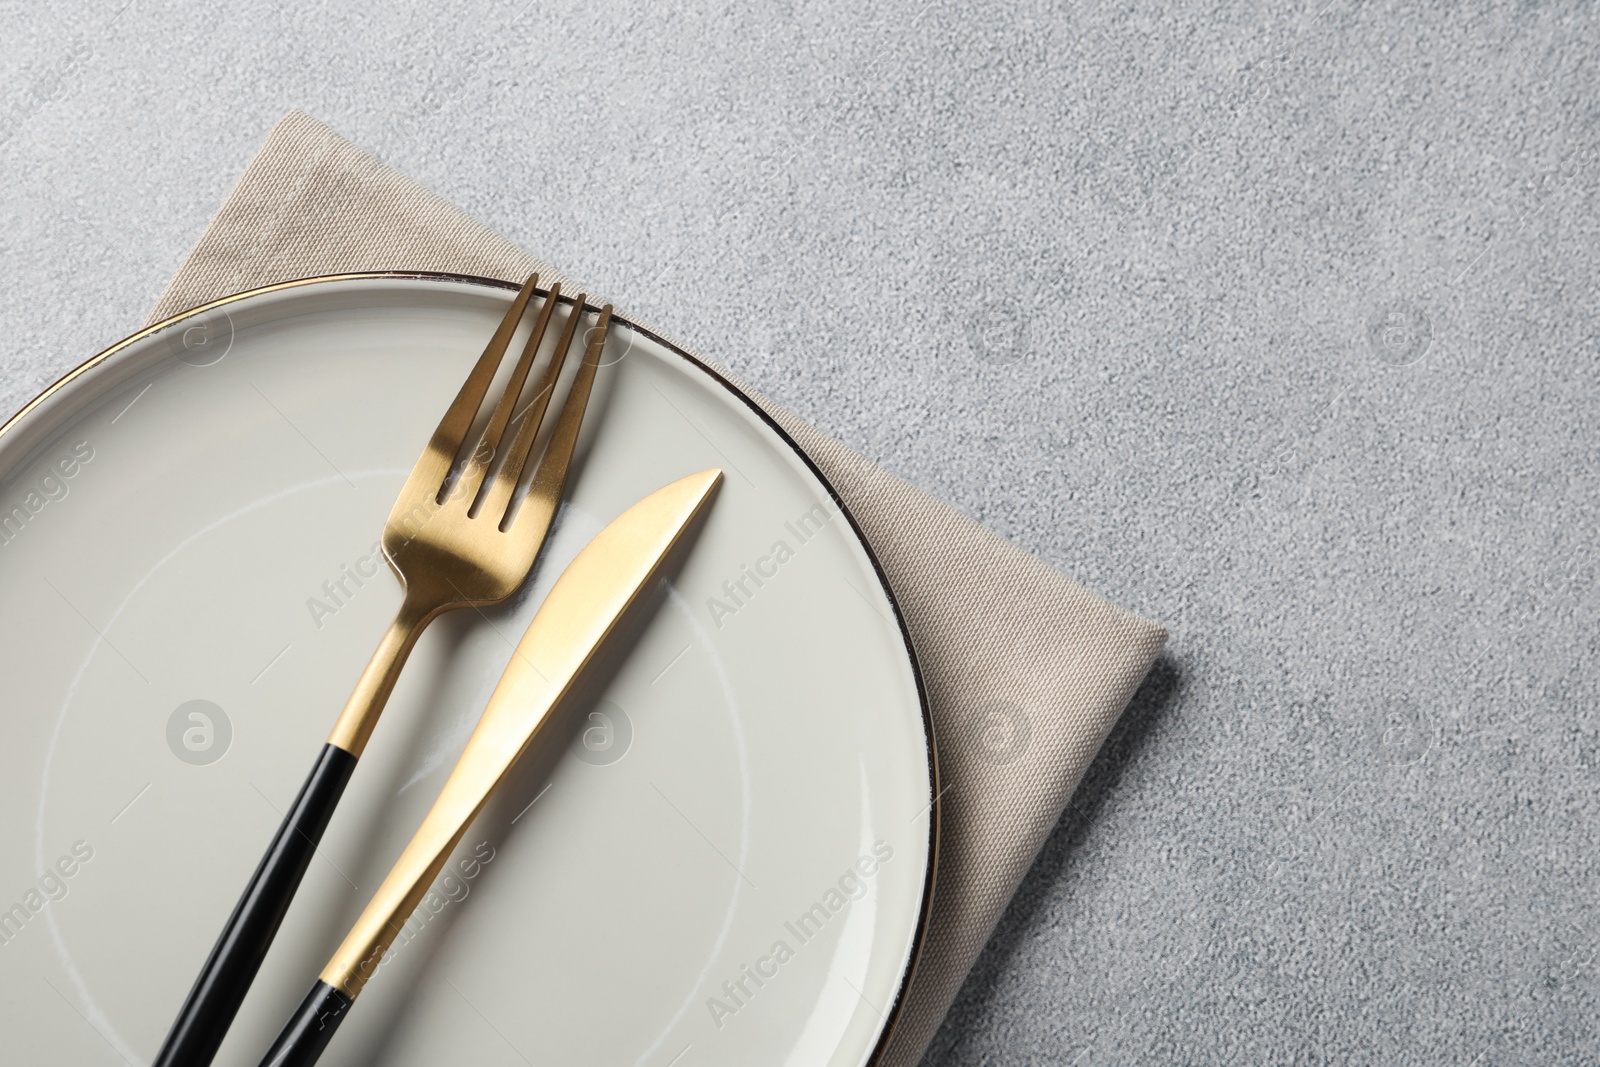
[1279,327]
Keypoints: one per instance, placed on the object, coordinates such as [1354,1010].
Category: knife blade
[581,612]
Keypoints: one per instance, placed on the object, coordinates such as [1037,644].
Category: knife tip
[705,481]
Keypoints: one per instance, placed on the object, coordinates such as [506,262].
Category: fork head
[457,535]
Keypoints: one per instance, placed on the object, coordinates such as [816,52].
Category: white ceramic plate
[730,866]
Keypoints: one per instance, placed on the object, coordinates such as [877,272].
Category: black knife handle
[309,1029]
[236,957]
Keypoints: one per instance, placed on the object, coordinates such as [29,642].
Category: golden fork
[454,542]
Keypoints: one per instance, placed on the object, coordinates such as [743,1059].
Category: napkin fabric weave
[1026,671]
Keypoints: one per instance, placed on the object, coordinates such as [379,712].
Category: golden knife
[581,612]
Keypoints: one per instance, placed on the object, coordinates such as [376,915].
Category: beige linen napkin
[1026,671]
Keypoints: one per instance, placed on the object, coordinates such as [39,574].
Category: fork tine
[505,483]
[489,443]
[433,468]
[544,494]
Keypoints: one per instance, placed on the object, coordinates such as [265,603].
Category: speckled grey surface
[1276,326]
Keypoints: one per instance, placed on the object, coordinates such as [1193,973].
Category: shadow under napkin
[1143,716]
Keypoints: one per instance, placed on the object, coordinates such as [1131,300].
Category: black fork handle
[236,957]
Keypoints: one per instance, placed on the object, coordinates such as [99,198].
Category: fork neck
[377,682]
